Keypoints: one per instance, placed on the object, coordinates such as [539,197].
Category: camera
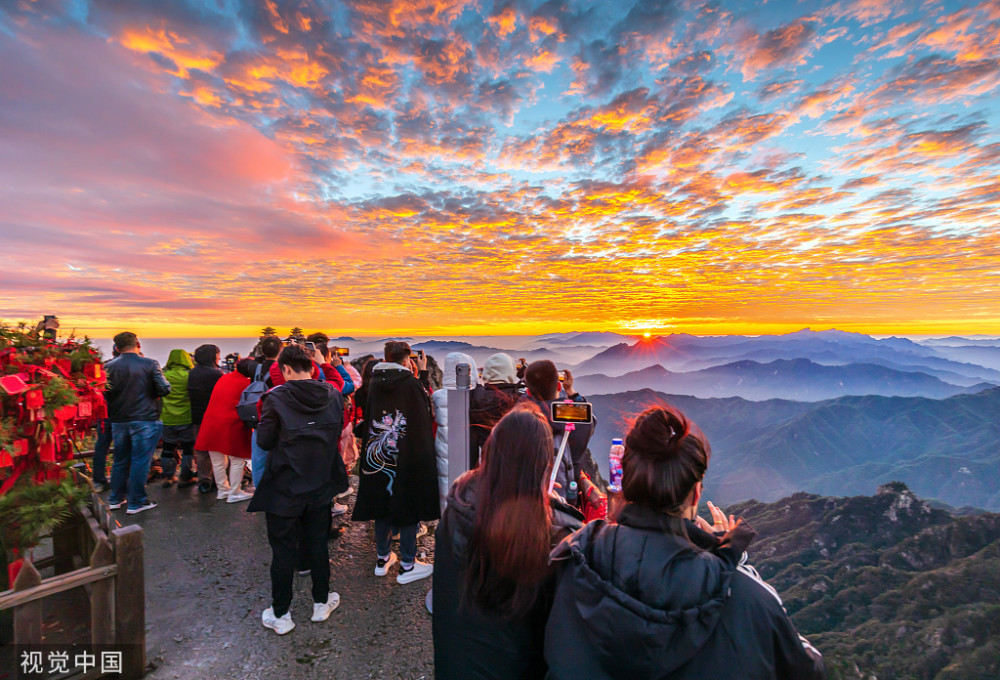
[572,412]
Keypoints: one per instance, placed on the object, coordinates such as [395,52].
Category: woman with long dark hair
[492,580]
[663,594]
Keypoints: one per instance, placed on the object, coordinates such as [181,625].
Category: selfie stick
[559,456]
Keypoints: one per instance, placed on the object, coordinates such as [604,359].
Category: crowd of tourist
[523,585]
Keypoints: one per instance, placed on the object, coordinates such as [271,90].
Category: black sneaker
[206,487]
[169,482]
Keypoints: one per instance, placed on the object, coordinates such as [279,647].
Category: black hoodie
[300,426]
[633,601]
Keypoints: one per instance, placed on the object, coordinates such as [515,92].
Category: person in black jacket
[201,382]
[135,385]
[300,425]
[542,381]
[492,581]
[398,485]
[662,594]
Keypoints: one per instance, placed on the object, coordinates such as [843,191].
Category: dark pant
[289,537]
[135,442]
[168,458]
[407,540]
[101,448]
[203,461]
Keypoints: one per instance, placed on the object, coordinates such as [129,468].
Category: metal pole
[458,433]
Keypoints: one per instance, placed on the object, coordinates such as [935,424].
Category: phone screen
[574,412]
[343,351]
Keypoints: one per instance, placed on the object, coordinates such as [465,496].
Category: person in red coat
[224,435]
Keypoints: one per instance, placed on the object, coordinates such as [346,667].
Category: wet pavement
[207,582]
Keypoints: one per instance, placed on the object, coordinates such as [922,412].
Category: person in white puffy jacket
[439,400]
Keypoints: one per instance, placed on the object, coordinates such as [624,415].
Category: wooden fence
[89,552]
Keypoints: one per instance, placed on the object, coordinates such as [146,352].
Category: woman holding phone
[492,580]
[663,594]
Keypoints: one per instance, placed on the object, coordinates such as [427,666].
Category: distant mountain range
[682,352]
[947,449]
[885,586]
[798,379]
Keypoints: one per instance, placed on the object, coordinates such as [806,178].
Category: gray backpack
[246,409]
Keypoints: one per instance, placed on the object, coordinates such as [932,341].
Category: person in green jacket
[177,428]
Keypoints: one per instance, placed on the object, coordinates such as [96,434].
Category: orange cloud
[180,50]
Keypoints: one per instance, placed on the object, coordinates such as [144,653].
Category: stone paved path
[207,583]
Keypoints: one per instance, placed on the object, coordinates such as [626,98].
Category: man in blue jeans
[135,385]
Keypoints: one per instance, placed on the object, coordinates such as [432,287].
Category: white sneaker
[223,493]
[338,509]
[382,566]
[279,626]
[142,508]
[115,506]
[237,496]
[418,571]
[322,610]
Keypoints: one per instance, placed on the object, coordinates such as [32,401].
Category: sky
[185,168]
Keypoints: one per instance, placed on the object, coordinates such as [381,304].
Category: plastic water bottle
[615,465]
[572,494]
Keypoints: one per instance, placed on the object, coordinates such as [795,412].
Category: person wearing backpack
[300,424]
[270,347]
[224,435]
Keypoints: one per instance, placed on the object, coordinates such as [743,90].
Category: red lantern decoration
[19,447]
[65,366]
[5,459]
[65,412]
[47,450]
[14,384]
[85,409]
[33,399]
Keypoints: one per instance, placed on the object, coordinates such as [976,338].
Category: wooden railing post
[102,597]
[130,601]
[28,616]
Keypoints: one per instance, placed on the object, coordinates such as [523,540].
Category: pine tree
[268,330]
[296,331]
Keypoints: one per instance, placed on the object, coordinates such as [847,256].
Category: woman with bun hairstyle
[492,579]
[663,594]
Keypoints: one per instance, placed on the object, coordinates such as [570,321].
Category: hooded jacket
[398,480]
[439,400]
[177,404]
[470,643]
[300,427]
[201,381]
[651,604]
